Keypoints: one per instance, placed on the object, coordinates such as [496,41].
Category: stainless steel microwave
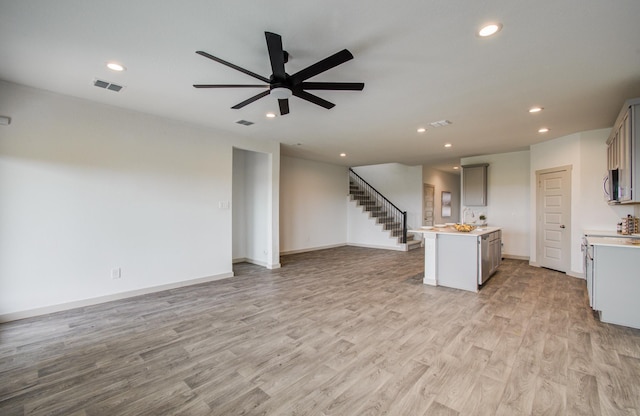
[612,187]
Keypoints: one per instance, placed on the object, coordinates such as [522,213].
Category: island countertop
[452,231]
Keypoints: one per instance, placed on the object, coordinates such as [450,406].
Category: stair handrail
[379,195]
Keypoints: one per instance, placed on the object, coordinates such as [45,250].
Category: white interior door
[428,204]
[553,218]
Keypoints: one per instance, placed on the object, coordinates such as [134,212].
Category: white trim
[395,248]
[305,250]
[256,262]
[577,275]
[512,257]
[14,316]
[431,282]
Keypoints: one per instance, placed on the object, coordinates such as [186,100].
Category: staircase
[392,219]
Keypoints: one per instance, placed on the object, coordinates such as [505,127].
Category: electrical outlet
[116,273]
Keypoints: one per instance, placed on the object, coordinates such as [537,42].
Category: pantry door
[553,218]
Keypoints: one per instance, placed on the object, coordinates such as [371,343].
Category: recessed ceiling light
[543,130]
[271,115]
[490,29]
[114,66]
[535,109]
[447,145]
[421,130]
[343,155]
[455,168]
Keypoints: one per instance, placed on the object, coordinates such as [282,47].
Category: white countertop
[624,241]
[608,233]
[452,231]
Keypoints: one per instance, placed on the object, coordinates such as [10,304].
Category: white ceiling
[420,60]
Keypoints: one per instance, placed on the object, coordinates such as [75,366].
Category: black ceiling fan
[282,85]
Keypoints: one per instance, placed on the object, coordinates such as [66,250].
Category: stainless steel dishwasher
[485,258]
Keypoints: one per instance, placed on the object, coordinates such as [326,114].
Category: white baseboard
[571,273]
[377,247]
[306,250]
[512,257]
[240,260]
[14,316]
[257,263]
[431,282]
[576,274]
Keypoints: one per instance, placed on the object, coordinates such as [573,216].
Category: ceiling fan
[282,85]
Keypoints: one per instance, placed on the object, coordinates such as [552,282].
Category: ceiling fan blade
[321,66]
[250,100]
[276,54]
[284,106]
[230,65]
[343,86]
[230,86]
[313,99]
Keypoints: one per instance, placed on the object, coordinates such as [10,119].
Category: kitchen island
[461,260]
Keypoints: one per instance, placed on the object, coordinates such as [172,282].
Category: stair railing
[397,218]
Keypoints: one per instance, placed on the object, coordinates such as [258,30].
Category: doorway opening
[251,210]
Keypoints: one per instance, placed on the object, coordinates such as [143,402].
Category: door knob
[562,226]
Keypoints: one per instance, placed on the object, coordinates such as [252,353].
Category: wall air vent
[244,122]
[107,85]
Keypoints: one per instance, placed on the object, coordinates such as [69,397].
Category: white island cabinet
[460,260]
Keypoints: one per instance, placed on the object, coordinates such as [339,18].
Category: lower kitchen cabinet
[615,283]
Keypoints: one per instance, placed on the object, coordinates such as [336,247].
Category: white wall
[86,188]
[447,182]
[593,212]
[507,199]
[312,205]
[586,154]
[400,184]
[364,231]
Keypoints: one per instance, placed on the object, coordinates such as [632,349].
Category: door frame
[539,223]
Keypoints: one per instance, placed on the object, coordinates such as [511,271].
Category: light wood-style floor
[346,331]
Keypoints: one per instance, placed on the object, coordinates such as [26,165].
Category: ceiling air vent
[440,123]
[244,122]
[107,85]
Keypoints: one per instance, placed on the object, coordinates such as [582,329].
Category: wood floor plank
[519,392]
[340,331]
[550,398]
[393,391]
[582,394]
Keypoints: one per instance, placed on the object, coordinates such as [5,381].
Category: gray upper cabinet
[474,185]
[623,154]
